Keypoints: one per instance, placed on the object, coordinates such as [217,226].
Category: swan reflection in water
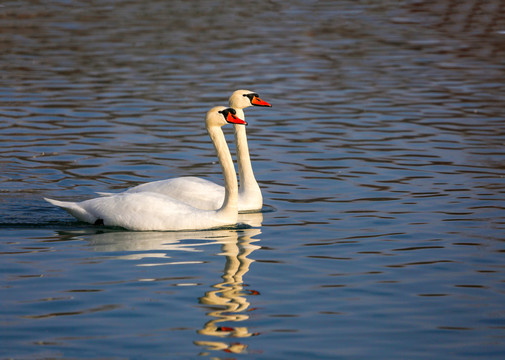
[144,243]
[227,300]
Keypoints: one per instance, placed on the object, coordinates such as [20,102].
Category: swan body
[147,210]
[205,194]
[144,211]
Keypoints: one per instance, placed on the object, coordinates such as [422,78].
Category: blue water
[381,164]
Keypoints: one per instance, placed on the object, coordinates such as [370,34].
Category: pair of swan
[186,203]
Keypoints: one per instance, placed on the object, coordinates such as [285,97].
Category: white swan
[205,194]
[154,211]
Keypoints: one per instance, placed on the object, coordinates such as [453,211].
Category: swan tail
[73,209]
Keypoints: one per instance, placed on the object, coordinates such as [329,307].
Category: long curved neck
[230,204]
[245,171]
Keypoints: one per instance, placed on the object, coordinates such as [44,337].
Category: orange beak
[233,119]
[256,101]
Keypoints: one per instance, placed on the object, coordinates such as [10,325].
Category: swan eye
[251,96]
[225,112]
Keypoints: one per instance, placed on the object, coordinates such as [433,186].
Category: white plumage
[205,194]
[147,210]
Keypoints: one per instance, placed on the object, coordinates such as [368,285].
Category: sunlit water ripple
[381,164]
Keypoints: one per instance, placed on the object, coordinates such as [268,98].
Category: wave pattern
[382,158]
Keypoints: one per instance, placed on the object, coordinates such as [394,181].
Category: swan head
[221,115]
[241,99]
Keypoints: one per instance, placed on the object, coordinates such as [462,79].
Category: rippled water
[382,165]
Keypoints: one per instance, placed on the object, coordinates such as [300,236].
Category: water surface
[381,164]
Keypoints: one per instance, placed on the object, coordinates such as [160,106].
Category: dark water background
[383,159]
